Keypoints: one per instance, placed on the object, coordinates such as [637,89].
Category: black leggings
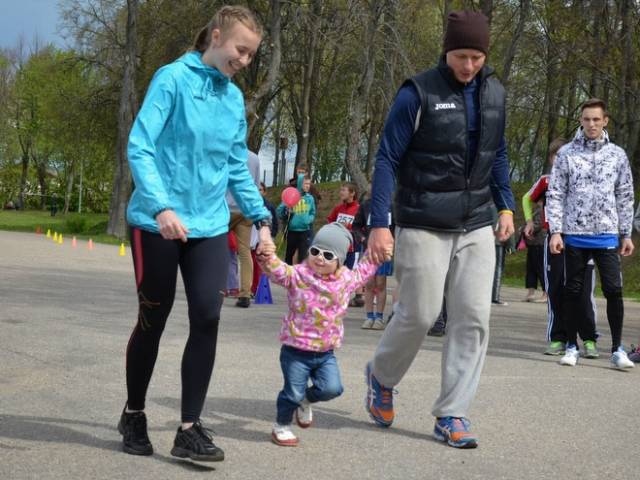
[554,286]
[535,267]
[297,241]
[608,263]
[203,263]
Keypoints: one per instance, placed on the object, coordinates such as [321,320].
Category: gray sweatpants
[425,262]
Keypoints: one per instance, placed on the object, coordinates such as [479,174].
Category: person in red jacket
[345,212]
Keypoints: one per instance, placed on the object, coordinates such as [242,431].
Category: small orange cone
[74,242]
[55,236]
[48,233]
[38,230]
[60,239]
[122,250]
[90,244]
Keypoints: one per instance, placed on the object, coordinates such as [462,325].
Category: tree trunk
[630,84]
[486,7]
[41,171]
[253,105]
[69,187]
[360,96]
[128,107]
[597,22]
[23,178]
[525,7]
[302,153]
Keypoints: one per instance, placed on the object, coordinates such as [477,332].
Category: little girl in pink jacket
[318,292]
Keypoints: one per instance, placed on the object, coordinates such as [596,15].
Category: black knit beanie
[467,30]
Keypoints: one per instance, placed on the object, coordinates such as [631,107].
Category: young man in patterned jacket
[590,213]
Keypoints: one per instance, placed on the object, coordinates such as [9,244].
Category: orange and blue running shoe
[455,431]
[379,401]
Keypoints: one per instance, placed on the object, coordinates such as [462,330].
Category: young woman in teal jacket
[186,147]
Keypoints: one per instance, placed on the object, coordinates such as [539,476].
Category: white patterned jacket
[591,189]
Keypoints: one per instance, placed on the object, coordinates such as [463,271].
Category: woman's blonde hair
[224,20]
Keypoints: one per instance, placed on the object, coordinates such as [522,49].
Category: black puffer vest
[439,188]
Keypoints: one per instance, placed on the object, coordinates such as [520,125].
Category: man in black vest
[444,153]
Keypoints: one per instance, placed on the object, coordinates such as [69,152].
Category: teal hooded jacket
[302,215]
[187,146]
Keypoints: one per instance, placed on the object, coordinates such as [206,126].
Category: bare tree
[311,66]
[258,100]
[524,9]
[126,114]
[360,95]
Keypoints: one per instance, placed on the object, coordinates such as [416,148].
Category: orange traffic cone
[74,242]
[38,230]
[90,244]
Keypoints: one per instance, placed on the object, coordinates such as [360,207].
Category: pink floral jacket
[317,303]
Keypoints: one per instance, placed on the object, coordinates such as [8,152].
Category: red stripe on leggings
[137,256]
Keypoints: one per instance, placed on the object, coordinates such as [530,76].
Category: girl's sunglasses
[328,256]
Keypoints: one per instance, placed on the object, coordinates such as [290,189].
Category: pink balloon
[290,196]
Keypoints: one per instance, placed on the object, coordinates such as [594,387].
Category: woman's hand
[170,226]
[266,247]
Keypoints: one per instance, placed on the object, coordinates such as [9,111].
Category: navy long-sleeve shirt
[396,137]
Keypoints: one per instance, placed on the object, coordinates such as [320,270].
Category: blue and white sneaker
[455,431]
[379,400]
[620,360]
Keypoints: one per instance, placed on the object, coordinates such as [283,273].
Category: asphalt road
[65,318]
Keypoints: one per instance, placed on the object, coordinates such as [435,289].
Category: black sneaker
[243,302]
[437,330]
[133,427]
[196,443]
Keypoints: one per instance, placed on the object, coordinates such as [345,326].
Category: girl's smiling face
[318,262]
[233,50]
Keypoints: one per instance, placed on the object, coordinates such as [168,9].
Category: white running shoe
[283,436]
[378,324]
[304,414]
[570,357]
[367,324]
[620,360]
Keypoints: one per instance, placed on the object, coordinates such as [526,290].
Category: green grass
[80,225]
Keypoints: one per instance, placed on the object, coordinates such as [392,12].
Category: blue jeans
[298,366]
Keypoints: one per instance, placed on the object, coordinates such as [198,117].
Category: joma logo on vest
[445,106]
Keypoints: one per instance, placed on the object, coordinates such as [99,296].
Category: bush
[75,224]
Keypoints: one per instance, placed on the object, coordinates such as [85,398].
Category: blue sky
[29,18]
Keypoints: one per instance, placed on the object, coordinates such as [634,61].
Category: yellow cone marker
[48,233]
[55,236]
[122,251]
[60,239]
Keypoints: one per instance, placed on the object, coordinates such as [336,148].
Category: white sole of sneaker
[443,438]
[303,424]
[284,443]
